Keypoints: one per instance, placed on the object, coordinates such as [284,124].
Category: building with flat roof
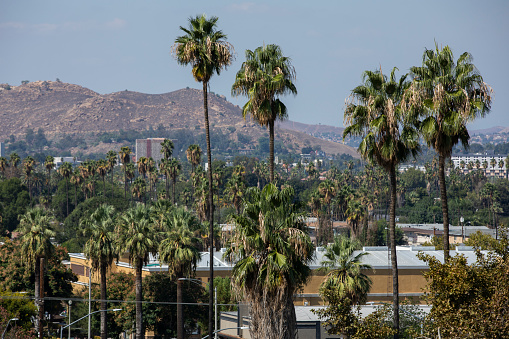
[149,148]
[467,163]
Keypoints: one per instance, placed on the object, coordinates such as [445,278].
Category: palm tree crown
[263,78]
[345,278]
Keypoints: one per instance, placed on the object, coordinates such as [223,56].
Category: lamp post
[63,327]
[199,282]
[69,331]
[6,327]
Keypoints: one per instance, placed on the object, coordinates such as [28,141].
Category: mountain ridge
[61,108]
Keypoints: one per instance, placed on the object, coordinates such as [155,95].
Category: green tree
[272,251]
[137,237]
[345,277]
[14,161]
[14,200]
[375,113]
[100,249]
[4,164]
[205,48]
[447,95]
[470,300]
[179,250]
[36,230]
[263,78]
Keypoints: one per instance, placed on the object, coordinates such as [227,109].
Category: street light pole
[69,331]
[63,327]
[6,327]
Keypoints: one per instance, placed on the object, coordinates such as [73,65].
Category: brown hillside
[61,108]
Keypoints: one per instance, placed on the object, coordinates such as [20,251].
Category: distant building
[462,162]
[2,150]
[60,160]
[149,148]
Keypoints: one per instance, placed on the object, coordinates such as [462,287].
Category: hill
[61,108]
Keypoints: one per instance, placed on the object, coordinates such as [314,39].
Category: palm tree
[49,164]
[100,249]
[263,78]
[234,190]
[4,164]
[137,237]
[179,250]
[173,170]
[139,187]
[207,51]
[374,113]
[272,251]
[28,166]
[14,161]
[345,278]
[36,246]
[167,148]
[165,169]
[327,190]
[153,177]
[65,170]
[125,158]
[447,95]
[193,154]
[76,180]
[111,157]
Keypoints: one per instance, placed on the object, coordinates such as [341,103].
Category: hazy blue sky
[113,45]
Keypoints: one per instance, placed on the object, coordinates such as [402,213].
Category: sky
[114,45]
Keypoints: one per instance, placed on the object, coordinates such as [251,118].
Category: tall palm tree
[36,246]
[345,277]
[28,166]
[205,48]
[164,168]
[447,95]
[173,171]
[179,250]
[327,190]
[49,164]
[234,190]
[374,112]
[125,158]
[263,78]
[111,157]
[4,164]
[137,237]
[272,251]
[65,170]
[167,148]
[76,180]
[193,154]
[102,170]
[14,161]
[100,249]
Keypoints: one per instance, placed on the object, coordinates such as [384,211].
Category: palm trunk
[125,182]
[41,297]
[75,196]
[211,214]
[104,187]
[174,181]
[443,199]
[180,314]
[140,333]
[104,305]
[168,188]
[271,151]
[67,194]
[37,292]
[112,170]
[394,261]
